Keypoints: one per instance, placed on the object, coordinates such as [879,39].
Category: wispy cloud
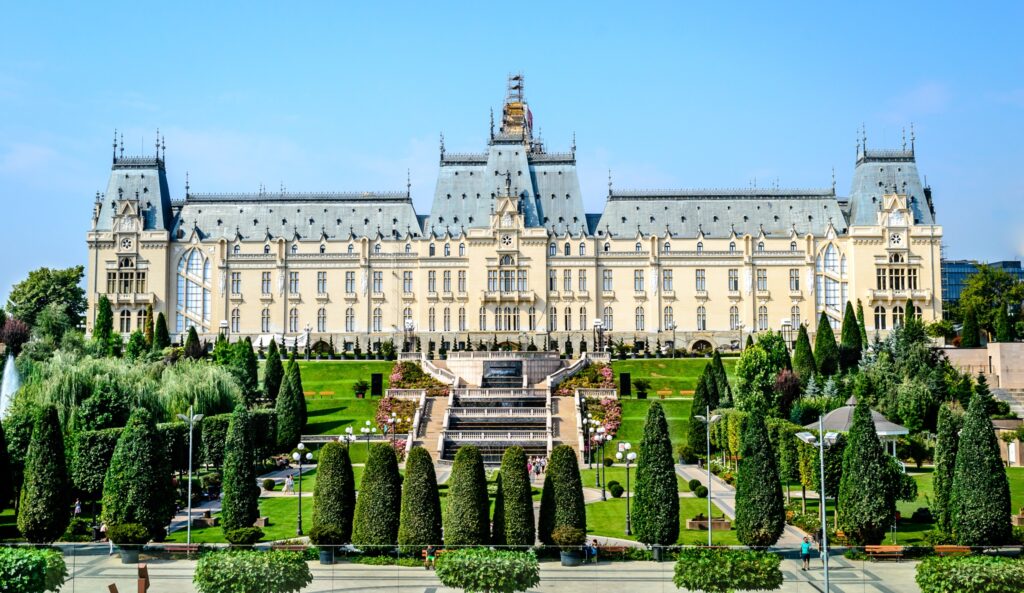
[927,98]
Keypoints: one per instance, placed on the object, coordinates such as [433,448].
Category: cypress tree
[969,331]
[288,410]
[245,368]
[567,489]
[656,498]
[826,352]
[945,463]
[240,501]
[420,523]
[273,372]
[517,500]
[138,487]
[867,498]
[161,339]
[147,328]
[334,497]
[803,357]
[696,436]
[722,379]
[44,512]
[849,340]
[760,510]
[498,518]
[546,517]
[750,341]
[193,347]
[979,503]
[378,506]
[1004,331]
[292,374]
[862,326]
[467,516]
[714,398]
[103,328]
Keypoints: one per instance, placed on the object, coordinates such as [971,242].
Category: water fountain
[10,384]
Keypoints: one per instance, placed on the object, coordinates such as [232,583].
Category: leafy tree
[467,516]
[161,339]
[760,510]
[147,327]
[826,352]
[867,496]
[1004,330]
[334,497]
[969,332]
[787,391]
[43,286]
[862,326]
[138,488]
[947,440]
[273,372]
[240,501]
[755,378]
[222,351]
[850,340]
[103,329]
[52,323]
[420,523]
[44,512]
[491,571]
[979,502]
[193,347]
[988,292]
[136,346]
[656,499]
[803,356]
[724,571]
[517,501]
[378,506]
[289,415]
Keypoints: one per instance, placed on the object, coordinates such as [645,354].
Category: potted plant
[570,541]
[641,385]
[129,538]
[360,387]
[326,538]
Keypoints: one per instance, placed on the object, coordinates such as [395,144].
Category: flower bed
[404,410]
[595,376]
[608,412]
[409,375]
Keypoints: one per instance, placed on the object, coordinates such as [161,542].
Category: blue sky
[325,97]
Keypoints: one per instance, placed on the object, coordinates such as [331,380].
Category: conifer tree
[969,331]
[44,512]
[245,368]
[945,464]
[714,398]
[696,435]
[517,499]
[104,326]
[148,326]
[240,499]
[288,410]
[420,524]
[193,347]
[862,326]
[803,357]
[546,514]
[722,379]
[867,496]
[161,339]
[760,509]
[1004,331]
[849,341]
[567,486]
[749,342]
[467,516]
[378,506]
[656,499]
[273,372]
[979,503]
[292,374]
[334,496]
[498,518]
[826,352]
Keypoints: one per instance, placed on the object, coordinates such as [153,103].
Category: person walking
[805,553]
[429,555]
[78,507]
[289,484]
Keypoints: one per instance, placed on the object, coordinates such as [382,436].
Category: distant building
[955,273]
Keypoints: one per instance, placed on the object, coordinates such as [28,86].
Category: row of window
[896,276]
[898,314]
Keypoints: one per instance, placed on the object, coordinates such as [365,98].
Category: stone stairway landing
[563,423]
[432,426]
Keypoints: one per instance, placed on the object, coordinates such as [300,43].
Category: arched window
[607,318]
[638,319]
[760,245]
[483,319]
[351,248]
[236,320]
[321,320]
[794,316]
[762,318]
[700,247]
[896,258]
[792,245]
[376,248]
[407,317]
[668,318]
[583,318]
[607,247]
[462,250]
[508,319]
[879,317]
[431,250]
[447,250]
[323,248]
[831,259]
[638,248]
[842,266]
[506,260]
[667,247]
[583,248]
[568,319]
[702,319]
[515,318]
[193,292]
[732,246]
[552,319]
[567,250]
[140,320]
[350,320]
[897,316]
[408,248]
[126,321]
[462,319]
[378,320]
[917,313]
[295,248]
[734,317]
[266,249]
[551,250]
[265,320]
[236,249]
[293,320]
[446,319]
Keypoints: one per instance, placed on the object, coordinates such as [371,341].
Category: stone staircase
[563,423]
[1014,397]
[433,425]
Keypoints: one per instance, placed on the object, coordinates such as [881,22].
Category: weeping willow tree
[210,388]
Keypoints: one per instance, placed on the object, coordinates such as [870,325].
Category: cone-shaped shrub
[103,329]
[498,519]
[656,499]
[334,497]
[375,523]
[562,501]
[467,514]
[803,357]
[45,511]
[292,374]
[969,331]
[273,373]
[245,368]
[289,415]
[945,464]
[421,506]
[826,352]
[980,499]
[546,517]
[849,340]
[517,499]
[868,488]
[193,348]
[696,429]
[723,389]
[240,502]
[161,339]
[760,510]
[1004,330]
[860,324]
[138,486]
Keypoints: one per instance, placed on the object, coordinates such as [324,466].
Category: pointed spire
[833,181]
[186,184]
[122,145]
[904,139]
[574,143]
[911,137]
[163,148]
[115,145]
[492,123]
[442,146]
[864,136]
[408,183]
[609,182]
[157,144]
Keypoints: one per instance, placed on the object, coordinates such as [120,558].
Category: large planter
[571,558]
[129,555]
[327,555]
[641,395]
[658,552]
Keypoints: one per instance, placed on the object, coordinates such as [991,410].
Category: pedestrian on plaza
[78,507]
[805,553]
[289,484]
[429,554]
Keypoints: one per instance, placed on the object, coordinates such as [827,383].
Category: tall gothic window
[236,320]
[668,318]
[293,320]
[702,319]
[762,318]
[583,318]
[321,320]
[265,320]
[193,307]
[483,319]
[638,319]
[608,318]
[378,320]
[879,317]
[552,319]
[794,316]
[734,317]
[350,320]
[897,316]
[126,321]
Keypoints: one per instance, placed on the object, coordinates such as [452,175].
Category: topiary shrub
[467,518]
[693,484]
[45,491]
[269,484]
[561,502]
[420,522]
[608,462]
[760,509]
[701,491]
[376,519]
[724,570]
[327,535]
[568,537]
[128,534]
[240,503]
[985,574]
[517,498]
[334,498]
[482,569]
[251,572]
[656,496]
[611,483]
[244,536]
[617,490]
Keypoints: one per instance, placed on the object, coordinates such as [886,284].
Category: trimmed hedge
[247,571]
[45,509]
[656,495]
[378,506]
[724,571]
[240,502]
[976,574]
[467,513]
[520,528]
[93,450]
[561,503]
[214,430]
[482,569]
[334,497]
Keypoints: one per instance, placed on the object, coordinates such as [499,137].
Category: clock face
[506,240]
[895,239]
[126,244]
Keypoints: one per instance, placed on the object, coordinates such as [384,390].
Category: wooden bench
[839,538]
[181,548]
[262,522]
[884,552]
[952,550]
[437,552]
[288,547]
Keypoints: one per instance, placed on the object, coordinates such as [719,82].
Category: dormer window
[408,248]
[760,245]
[295,248]
[700,247]
[792,245]
[431,250]
[552,250]
[667,248]
[266,249]
[323,249]
[376,248]
[732,246]
[638,248]
[568,250]
[351,248]
[236,249]
[583,248]
[447,250]
[607,247]
[462,250]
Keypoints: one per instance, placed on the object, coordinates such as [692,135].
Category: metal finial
[833,180]
[186,184]
[408,182]
[911,136]
[609,182]
[163,147]
[864,136]
[574,143]
[492,123]
[158,143]
[115,145]
[122,145]
[442,145]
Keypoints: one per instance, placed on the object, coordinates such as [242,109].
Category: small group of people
[805,550]
[289,484]
[590,552]
[536,466]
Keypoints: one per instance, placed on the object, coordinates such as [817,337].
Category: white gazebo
[840,420]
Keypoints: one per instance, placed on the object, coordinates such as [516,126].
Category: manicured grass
[9,526]
[338,377]
[1016,477]
[333,406]
[674,376]
[925,491]
[608,518]
[283,513]
[634,414]
[618,473]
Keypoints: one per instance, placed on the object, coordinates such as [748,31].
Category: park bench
[288,547]
[952,550]
[880,552]
[181,548]
[438,552]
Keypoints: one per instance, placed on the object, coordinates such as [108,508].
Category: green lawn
[338,377]
[674,376]
[1016,476]
[618,474]
[608,518]
[333,406]
[283,513]
[9,526]
[634,414]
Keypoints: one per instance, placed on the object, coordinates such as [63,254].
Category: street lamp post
[629,456]
[708,420]
[599,440]
[827,439]
[367,431]
[191,419]
[300,457]
[672,327]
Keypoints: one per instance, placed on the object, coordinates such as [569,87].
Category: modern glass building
[955,273]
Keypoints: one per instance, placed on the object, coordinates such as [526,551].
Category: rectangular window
[378,282]
[666,280]
[293,282]
[880,279]
[606,281]
[701,286]
[462,281]
[832,294]
[407,282]
[794,280]
[522,280]
[447,280]
[127,283]
[896,278]
[552,281]
[265,283]
[912,279]
[568,319]
[321,283]
[111,282]
[350,282]
[431,281]
[583,280]
[638,280]
[567,280]
[508,281]
[492,281]
[762,279]
[734,280]
[552,319]
[236,282]
[140,281]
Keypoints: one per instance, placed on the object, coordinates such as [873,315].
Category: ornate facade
[508,253]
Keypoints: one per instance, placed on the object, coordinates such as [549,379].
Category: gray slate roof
[880,172]
[145,178]
[840,420]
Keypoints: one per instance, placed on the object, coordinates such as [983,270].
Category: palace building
[508,253]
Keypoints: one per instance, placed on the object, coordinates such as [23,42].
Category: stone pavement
[93,572]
